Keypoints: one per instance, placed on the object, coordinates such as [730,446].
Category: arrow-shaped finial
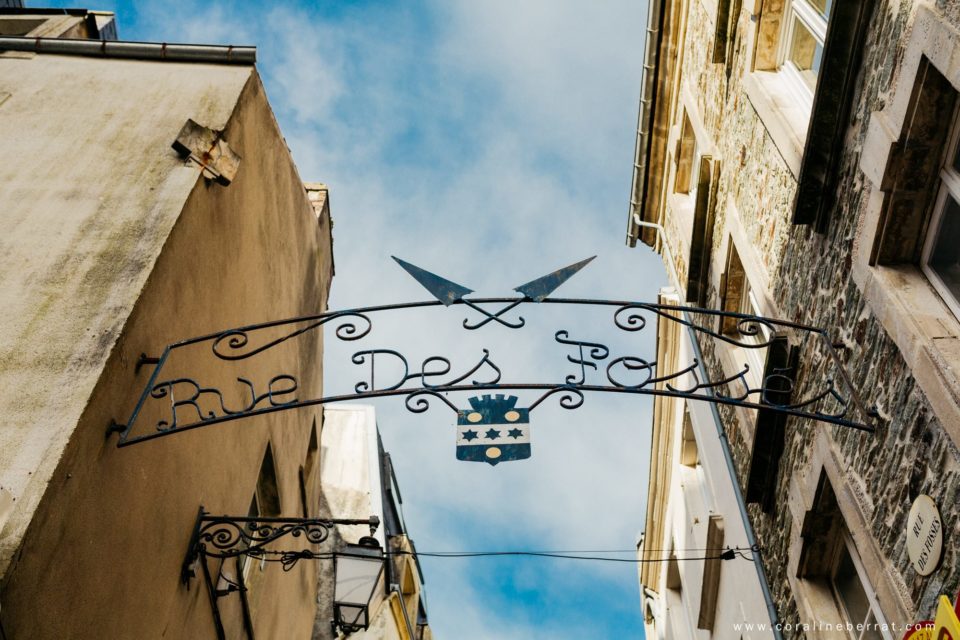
[442,289]
[540,288]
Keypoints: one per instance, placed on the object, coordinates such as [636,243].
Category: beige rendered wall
[117,248]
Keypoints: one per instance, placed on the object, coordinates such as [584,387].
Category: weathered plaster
[120,248]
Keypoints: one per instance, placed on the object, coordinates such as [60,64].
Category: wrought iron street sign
[179,401]
[247,539]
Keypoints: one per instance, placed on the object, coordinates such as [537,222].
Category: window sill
[785,119]
[923,329]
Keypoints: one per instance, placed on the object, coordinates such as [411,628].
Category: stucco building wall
[116,247]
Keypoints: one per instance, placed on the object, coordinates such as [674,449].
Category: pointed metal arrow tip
[542,287]
[446,291]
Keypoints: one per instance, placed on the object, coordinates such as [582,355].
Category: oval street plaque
[924,535]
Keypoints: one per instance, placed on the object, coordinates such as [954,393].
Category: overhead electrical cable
[290,558]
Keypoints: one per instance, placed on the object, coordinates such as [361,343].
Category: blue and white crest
[493,430]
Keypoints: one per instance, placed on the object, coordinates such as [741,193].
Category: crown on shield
[500,403]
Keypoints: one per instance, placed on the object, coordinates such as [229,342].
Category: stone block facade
[823,276]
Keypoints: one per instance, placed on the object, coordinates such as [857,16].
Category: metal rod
[344,313]
[127,441]
[212,593]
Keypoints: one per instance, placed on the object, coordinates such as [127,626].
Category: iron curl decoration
[752,327]
[348,330]
[227,536]
[235,536]
[231,538]
[633,321]
[417,402]
[571,397]
[238,339]
[488,317]
[748,326]
[289,559]
[829,392]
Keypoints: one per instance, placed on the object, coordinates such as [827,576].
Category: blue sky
[491,142]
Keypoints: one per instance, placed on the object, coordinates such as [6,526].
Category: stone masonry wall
[809,277]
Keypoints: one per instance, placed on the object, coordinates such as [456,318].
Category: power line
[290,558]
[728,554]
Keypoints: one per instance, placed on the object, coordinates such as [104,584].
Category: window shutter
[710,587]
[702,238]
[830,114]
[779,374]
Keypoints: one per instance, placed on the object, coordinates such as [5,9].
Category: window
[306,472]
[909,211]
[854,595]
[725,36]
[801,44]
[689,454]
[830,565]
[739,297]
[265,502]
[701,235]
[940,258]
[686,153]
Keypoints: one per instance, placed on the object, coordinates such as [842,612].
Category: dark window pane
[945,257]
[871,631]
[850,589]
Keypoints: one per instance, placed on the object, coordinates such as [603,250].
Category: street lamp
[356,575]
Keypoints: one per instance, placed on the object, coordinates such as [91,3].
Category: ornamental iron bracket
[246,539]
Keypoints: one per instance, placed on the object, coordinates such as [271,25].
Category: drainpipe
[644,117]
[722,436]
[395,588]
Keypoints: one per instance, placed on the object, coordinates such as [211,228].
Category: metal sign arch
[191,404]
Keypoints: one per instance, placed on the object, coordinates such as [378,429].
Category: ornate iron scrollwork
[234,536]
[390,373]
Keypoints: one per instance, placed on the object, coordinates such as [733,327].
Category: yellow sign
[947,626]
[920,631]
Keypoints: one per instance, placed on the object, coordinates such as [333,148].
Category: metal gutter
[644,119]
[223,54]
[722,436]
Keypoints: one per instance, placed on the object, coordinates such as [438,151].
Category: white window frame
[874,611]
[804,12]
[756,358]
[247,561]
[750,305]
[949,187]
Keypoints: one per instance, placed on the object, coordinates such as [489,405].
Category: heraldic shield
[493,430]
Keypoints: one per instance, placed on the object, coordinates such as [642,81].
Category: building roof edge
[217,54]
